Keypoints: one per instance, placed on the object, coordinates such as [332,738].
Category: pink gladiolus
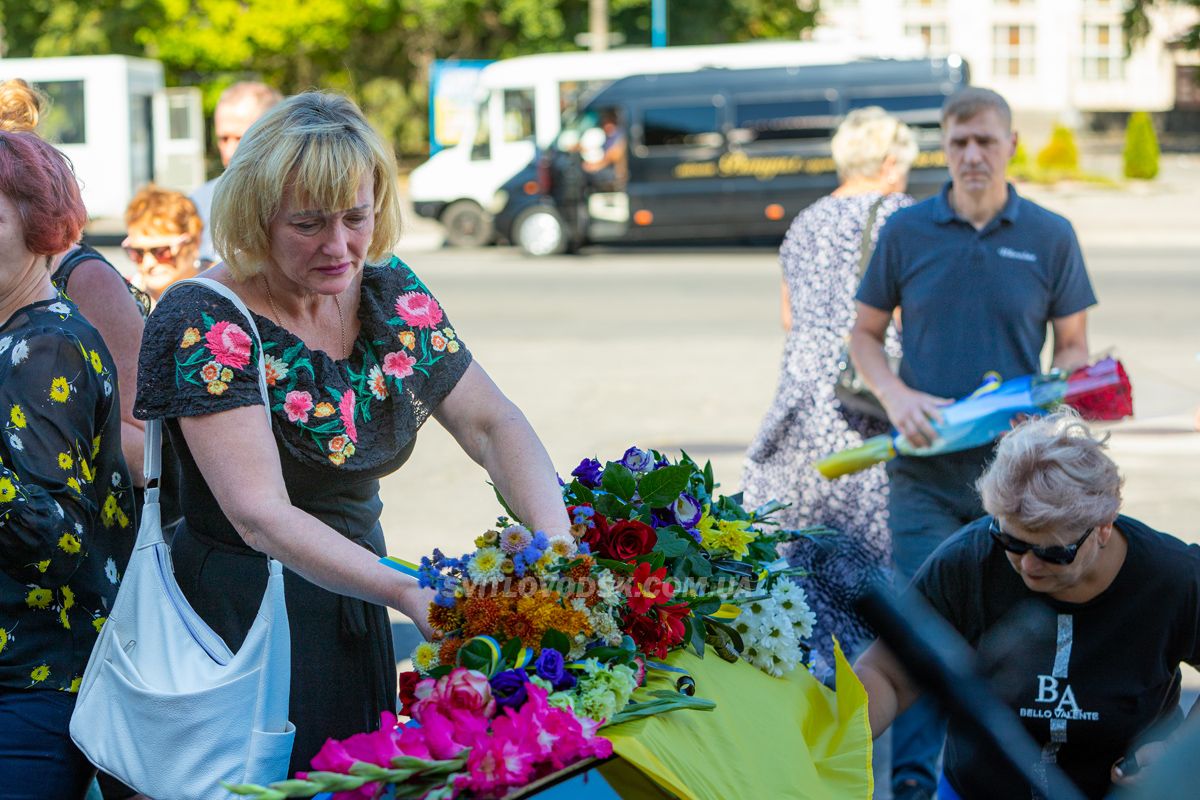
[418,310]
[378,747]
[297,405]
[398,364]
[346,412]
[495,766]
[229,344]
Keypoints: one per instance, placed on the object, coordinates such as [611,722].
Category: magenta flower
[398,364]
[229,344]
[419,310]
[459,689]
[346,412]
[297,405]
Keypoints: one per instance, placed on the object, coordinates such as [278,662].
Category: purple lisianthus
[508,689]
[588,472]
[550,665]
[695,534]
[687,510]
[637,461]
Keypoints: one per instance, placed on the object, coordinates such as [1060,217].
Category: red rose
[626,540]
[408,685]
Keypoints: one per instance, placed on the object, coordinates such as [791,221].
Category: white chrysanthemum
[794,602]
[604,627]
[515,538]
[485,565]
[606,589]
[426,656]
[563,546]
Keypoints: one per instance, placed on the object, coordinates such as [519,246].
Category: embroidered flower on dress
[210,372]
[418,310]
[110,571]
[190,337]
[408,339]
[4,344]
[346,412]
[324,410]
[15,443]
[297,405]
[229,344]
[97,363]
[20,352]
[398,364]
[17,415]
[60,390]
[59,308]
[8,492]
[377,384]
[437,341]
[275,369]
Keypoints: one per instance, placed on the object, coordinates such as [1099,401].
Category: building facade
[1052,59]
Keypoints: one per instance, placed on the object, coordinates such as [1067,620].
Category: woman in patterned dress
[821,259]
[358,354]
[67,516]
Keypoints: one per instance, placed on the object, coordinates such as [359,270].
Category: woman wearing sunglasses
[164,238]
[1080,616]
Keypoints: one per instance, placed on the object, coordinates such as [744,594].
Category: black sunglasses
[1054,554]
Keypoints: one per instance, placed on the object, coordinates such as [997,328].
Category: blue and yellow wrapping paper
[788,737]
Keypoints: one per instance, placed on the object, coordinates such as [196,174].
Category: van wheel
[539,231]
[467,225]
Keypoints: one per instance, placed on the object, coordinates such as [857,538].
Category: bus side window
[682,126]
[783,120]
[481,147]
[518,115]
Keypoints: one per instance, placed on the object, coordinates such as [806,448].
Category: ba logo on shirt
[1057,700]
[1017,255]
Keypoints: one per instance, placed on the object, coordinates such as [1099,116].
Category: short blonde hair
[1051,473]
[319,145]
[866,137]
[163,212]
[21,105]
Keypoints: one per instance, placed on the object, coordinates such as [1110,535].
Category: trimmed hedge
[1060,154]
[1141,147]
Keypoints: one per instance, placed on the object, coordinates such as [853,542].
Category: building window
[1012,51]
[681,126]
[1103,52]
[934,35]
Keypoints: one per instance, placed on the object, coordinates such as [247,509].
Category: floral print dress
[67,516]
[339,426]
[820,258]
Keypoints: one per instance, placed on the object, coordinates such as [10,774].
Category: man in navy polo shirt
[978,273]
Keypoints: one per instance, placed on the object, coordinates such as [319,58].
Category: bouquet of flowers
[540,641]
[1100,391]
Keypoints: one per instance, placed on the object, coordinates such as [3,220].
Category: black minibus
[720,153]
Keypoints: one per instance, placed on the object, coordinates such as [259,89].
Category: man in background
[980,273]
[238,108]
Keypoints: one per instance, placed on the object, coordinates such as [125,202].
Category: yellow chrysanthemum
[97,364]
[98,623]
[69,543]
[17,415]
[60,390]
[65,461]
[190,337]
[8,492]
[426,656]
[40,674]
[38,597]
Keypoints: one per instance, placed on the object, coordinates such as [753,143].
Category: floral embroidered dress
[67,517]
[339,427]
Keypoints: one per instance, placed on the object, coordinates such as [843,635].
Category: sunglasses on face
[163,254]
[1060,554]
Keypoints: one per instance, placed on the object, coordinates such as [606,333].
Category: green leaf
[729,631]
[504,503]
[618,480]
[615,566]
[612,507]
[705,605]
[698,565]
[556,640]
[663,486]
[440,671]
[478,656]
[671,544]
[510,651]
[708,478]
[610,654]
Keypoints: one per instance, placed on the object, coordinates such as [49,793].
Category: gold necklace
[336,304]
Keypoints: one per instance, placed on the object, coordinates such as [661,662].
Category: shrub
[1141,147]
[1060,154]
[1018,165]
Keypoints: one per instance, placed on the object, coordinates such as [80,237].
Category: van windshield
[568,139]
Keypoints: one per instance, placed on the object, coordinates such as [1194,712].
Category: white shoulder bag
[164,705]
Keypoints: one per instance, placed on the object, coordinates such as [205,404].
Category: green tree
[1137,21]
[1060,154]
[1141,147]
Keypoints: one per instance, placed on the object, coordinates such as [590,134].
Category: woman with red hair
[67,516]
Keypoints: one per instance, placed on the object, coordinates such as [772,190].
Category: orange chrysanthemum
[448,654]
[445,618]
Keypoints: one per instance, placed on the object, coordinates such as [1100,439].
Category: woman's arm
[889,690]
[496,435]
[237,456]
[103,297]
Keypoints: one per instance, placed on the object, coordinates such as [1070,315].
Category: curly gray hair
[1051,473]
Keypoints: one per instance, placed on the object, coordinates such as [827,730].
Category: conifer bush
[1141,147]
[1060,154]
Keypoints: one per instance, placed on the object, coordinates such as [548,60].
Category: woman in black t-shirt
[1080,617]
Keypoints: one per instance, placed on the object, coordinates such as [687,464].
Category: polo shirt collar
[943,212]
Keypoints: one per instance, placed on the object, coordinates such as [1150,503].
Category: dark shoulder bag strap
[866,249]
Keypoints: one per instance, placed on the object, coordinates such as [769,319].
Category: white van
[119,125]
[521,104]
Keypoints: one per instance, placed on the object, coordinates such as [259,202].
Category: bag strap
[865,249]
[153,451]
